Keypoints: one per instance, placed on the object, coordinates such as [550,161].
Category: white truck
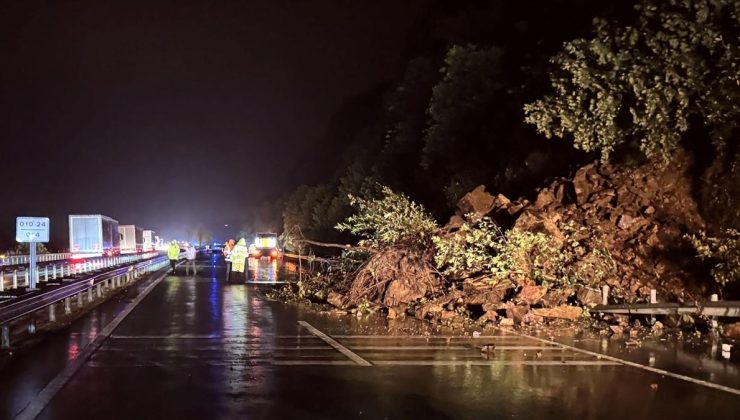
[93,235]
[132,239]
[150,241]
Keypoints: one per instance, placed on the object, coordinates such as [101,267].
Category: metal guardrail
[15,309]
[17,277]
[725,308]
[25,259]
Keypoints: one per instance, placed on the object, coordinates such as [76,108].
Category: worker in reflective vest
[239,256]
[173,254]
[228,248]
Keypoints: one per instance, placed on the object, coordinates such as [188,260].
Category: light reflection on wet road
[198,348]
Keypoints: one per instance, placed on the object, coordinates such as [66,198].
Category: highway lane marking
[35,407]
[430,337]
[492,363]
[334,343]
[314,363]
[635,365]
[164,337]
[407,348]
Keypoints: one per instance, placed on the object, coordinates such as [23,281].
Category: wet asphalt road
[198,348]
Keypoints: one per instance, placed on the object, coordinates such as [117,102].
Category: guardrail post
[99,290]
[28,280]
[32,325]
[79,300]
[67,306]
[5,333]
[605,294]
[15,279]
[52,312]
[2,281]
[653,299]
[90,295]
[713,320]
[46,273]
[54,271]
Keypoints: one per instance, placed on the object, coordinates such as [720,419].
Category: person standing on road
[173,253]
[228,248]
[239,256]
[190,257]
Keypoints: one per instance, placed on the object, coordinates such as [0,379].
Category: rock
[482,292]
[335,299]
[430,308]
[449,316]
[565,193]
[731,330]
[530,295]
[477,202]
[456,222]
[582,184]
[561,312]
[489,316]
[544,198]
[556,297]
[488,348]
[392,313]
[506,322]
[516,312]
[588,297]
[629,223]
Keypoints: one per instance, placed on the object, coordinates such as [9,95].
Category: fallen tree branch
[331,245]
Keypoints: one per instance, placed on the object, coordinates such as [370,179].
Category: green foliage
[644,83]
[391,219]
[583,258]
[723,252]
[483,249]
[469,251]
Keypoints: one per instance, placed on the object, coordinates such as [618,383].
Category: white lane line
[332,342]
[636,365]
[314,363]
[431,337]
[491,363]
[411,348]
[166,337]
[34,408]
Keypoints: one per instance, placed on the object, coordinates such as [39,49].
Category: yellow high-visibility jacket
[173,252]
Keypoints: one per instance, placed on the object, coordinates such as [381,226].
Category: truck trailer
[150,241]
[93,235]
[132,239]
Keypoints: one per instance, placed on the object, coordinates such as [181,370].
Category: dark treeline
[453,119]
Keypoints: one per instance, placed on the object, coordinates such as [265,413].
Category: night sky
[169,114]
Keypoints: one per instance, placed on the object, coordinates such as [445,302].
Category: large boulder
[556,297]
[589,297]
[529,295]
[516,312]
[335,299]
[477,202]
[561,312]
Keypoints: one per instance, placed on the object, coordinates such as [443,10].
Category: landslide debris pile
[606,226]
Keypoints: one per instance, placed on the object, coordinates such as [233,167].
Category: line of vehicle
[334,343]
